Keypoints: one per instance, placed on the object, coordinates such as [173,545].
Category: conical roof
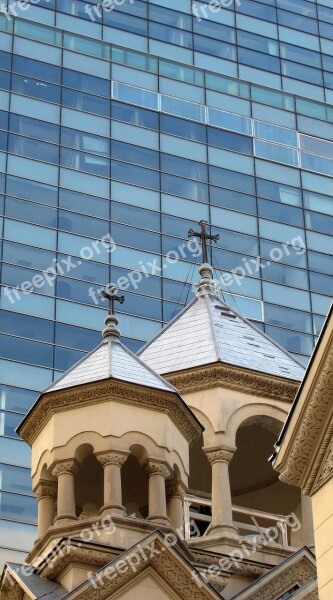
[208,331]
[110,360]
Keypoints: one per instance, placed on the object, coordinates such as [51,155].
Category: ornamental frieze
[78,397]
[212,376]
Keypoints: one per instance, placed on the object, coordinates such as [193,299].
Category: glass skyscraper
[135,119]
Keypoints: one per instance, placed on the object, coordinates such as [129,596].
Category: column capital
[112,458]
[46,488]
[220,454]
[66,466]
[153,467]
[175,489]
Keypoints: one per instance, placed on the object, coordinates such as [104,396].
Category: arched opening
[200,485]
[50,481]
[89,483]
[135,486]
[200,479]
[254,483]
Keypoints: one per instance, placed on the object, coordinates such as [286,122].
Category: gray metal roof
[208,331]
[38,587]
[111,360]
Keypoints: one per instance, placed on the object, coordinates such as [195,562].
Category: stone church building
[152,472]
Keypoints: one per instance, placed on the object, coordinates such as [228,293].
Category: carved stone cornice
[66,466]
[218,580]
[152,467]
[306,466]
[219,454]
[299,573]
[243,568]
[11,589]
[80,396]
[172,570]
[325,471]
[79,529]
[72,552]
[112,458]
[236,378]
[46,488]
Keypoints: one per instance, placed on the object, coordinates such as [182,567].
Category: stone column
[46,493]
[175,504]
[158,472]
[222,521]
[113,499]
[65,472]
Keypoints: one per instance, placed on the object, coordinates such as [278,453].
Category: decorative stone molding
[219,455]
[249,570]
[300,573]
[318,410]
[11,590]
[140,527]
[46,488]
[81,396]
[218,580]
[155,468]
[326,469]
[164,519]
[236,378]
[69,552]
[172,570]
[112,458]
[69,466]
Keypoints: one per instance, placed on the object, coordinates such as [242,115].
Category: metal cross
[111,295]
[203,236]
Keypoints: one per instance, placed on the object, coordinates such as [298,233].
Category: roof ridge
[212,327]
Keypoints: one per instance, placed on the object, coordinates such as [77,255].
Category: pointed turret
[207,331]
[236,380]
[105,437]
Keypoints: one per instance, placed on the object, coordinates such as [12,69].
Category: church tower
[110,462]
[240,384]
[146,494]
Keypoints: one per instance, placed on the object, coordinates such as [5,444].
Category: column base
[63,519]
[223,530]
[160,519]
[115,510]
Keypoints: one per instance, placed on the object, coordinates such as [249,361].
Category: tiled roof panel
[207,331]
[110,359]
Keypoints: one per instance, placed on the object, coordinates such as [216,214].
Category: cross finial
[206,284]
[111,295]
[204,237]
[111,321]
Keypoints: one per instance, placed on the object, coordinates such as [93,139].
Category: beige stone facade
[305,451]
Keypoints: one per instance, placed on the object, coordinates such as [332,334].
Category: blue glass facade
[136,122]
